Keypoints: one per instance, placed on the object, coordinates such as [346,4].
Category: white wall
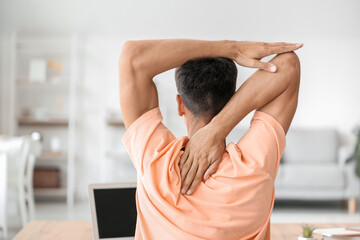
[330,30]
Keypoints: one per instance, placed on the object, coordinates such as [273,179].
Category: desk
[68,230]
[56,230]
[280,231]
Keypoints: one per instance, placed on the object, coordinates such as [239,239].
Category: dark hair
[206,84]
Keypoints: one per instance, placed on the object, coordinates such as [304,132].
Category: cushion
[317,175]
[311,145]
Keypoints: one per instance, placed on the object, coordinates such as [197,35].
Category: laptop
[113,210]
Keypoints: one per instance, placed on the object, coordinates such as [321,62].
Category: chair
[3,194]
[34,151]
[21,153]
[31,149]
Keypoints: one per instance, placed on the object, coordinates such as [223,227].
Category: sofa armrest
[352,188]
[343,153]
[352,181]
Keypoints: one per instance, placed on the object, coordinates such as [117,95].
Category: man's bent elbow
[129,56]
[290,63]
[293,59]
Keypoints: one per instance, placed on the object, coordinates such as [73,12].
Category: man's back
[234,203]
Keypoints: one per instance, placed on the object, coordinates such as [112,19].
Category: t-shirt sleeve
[145,138]
[263,144]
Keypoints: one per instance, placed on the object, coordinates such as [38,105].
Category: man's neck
[195,126]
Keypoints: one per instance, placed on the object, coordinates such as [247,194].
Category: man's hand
[249,54]
[204,151]
[203,154]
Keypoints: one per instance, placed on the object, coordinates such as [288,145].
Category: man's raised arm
[273,93]
[141,60]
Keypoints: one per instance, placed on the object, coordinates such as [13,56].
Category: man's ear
[180,107]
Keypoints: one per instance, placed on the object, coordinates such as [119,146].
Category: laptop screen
[116,212]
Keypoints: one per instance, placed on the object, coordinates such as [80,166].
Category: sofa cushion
[311,145]
[317,175]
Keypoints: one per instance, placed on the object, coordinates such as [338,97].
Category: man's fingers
[212,169]
[281,44]
[189,178]
[275,48]
[266,66]
[183,159]
[284,48]
[185,169]
[197,179]
[276,44]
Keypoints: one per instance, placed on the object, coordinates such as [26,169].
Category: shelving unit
[115,122]
[47,156]
[117,165]
[47,105]
[39,122]
[54,192]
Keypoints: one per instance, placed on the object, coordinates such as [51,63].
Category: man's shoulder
[148,135]
[144,125]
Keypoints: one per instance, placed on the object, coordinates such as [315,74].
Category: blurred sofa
[313,167]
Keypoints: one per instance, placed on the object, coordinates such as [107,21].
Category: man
[234,199]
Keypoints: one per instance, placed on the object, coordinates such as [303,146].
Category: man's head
[204,85]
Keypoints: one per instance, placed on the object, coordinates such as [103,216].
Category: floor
[284,212]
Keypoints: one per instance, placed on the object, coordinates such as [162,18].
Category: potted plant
[307,233]
[356,155]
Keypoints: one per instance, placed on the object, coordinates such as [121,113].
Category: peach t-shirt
[234,203]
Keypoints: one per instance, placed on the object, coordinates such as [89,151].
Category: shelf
[45,122]
[48,156]
[115,122]
[50,192]
[47,84]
